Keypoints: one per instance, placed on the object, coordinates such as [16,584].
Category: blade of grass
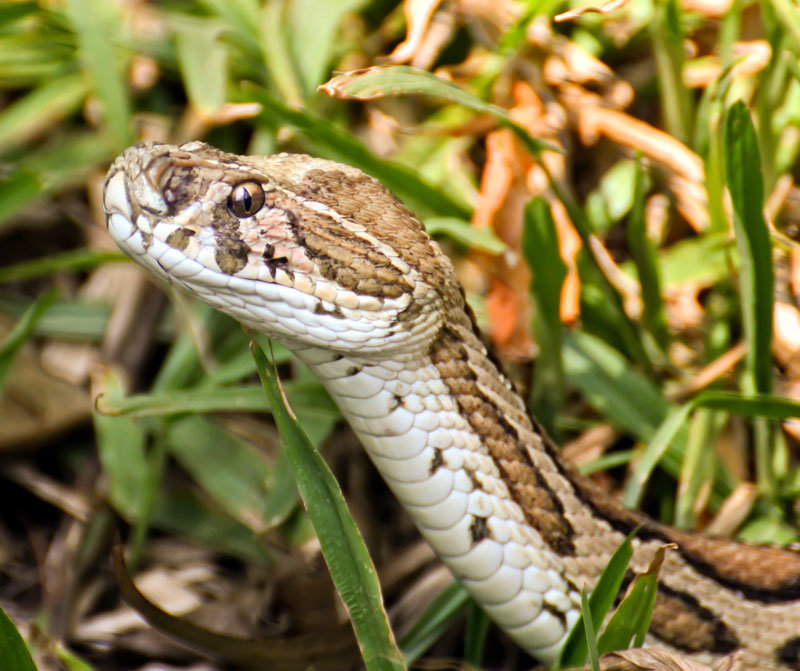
[229,470]
[764,405]
[743,173]
[434,621]
[668,48]
[629,624]
[97,25]
[40,109]
[344,551]
[74,259]
[757,280]
[14,653]
[590,636]
[240,398]
[461,231]
[392,80]
[203,60]
[644,258]
[540,246]
[21,331]
[340,145]
[599,604]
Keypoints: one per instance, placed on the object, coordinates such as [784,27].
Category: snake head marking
[300,248]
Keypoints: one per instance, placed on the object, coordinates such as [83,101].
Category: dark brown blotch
[179,238]
[231,255]
[320,309]
[479,529]
[789,654]
[437,461]
[680,620]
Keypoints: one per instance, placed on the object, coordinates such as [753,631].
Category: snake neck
[524,533]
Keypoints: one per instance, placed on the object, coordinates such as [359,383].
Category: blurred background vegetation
[650,318]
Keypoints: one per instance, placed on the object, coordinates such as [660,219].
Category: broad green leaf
[14,655]
[344,551]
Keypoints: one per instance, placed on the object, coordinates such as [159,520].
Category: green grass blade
[763,405]
[203,60]
[97,24]
[475,634]
[757,278]
[644,258]
[121,449]
[241,398]
[667,432]
[14,654]
[743,173]
[548,271]
[668,48]
[312,29]
[74,259]
[229,470]
[340,145]
[461,231]
[436,619]
[618,392]
[599,604]
[392,80]
[40,109]
[21,332]
[629,624]
[344,550]
[589,631]
[17,189]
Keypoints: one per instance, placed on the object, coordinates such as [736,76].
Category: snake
[326,260]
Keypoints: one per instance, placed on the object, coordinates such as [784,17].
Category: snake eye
[246,199]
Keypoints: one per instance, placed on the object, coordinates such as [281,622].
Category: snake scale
[326,260]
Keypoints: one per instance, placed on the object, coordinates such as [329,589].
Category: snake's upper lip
[115,195]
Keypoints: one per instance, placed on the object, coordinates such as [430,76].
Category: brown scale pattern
[540,504]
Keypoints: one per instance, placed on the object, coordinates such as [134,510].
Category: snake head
[309,251]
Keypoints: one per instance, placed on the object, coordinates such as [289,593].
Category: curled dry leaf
[602,9]
[419,14]
[645,659]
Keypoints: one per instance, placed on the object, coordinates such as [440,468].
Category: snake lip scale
[326,260]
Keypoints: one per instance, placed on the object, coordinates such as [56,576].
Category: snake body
[325,259]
